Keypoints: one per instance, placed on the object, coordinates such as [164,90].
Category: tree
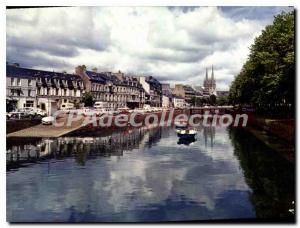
[196,101]
[267,79]
[222,100]
[88,99]
[212,99]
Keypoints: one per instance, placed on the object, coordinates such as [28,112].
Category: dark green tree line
[267,79]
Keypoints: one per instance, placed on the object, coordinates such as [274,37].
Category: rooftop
[20,72]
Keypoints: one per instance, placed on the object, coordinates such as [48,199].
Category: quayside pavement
[47,130]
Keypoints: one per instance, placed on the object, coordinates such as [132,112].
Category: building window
[29,82]
[29,93]
[13,81]
[43,106]
[29,104]
[19,82]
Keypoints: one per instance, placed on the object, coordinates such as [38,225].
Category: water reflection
[81,148]
[271,177]
[187,141]
[133,175]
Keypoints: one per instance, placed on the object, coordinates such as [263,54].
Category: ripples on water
[146,175]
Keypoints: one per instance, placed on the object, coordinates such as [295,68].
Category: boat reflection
[21,152]
[148,175]
[186,141]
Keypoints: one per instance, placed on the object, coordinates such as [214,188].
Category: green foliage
[196,101]
[201,101]
[222,100]
[267,79]
[88,99]
[212,99]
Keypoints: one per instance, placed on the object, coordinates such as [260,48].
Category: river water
[138,175]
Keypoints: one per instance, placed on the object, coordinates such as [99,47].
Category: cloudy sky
[174,44]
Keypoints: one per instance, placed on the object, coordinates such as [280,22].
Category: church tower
[212,80]
[206,81]
[209,84]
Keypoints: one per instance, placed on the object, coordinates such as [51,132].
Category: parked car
[90,111]
[48,120]
[33,112]
[16,114]
[100,105]
[67,107]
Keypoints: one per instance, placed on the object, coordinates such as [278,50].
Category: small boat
[186,133]
[182,124]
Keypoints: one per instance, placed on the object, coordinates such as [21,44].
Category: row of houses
[49,90]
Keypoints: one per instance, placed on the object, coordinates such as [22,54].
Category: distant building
[198,89]
[167,94]
[223,93]
[53,89]
[209,84]
[116,89]
[166,103]
[43,89]
[155,98]
[20,88]
[153,90]
[166,89]
[185,91]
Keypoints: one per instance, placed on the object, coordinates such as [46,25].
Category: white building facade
[20,89]
[179,102]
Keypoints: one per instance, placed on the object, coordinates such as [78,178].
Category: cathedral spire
[206,75]
[212,73]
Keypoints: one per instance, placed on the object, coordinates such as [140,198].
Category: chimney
[80,69]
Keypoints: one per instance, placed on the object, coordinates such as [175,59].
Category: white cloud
[174,45]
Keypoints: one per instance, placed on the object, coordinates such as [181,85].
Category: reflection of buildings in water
[82,147]
[209,132]
[28,151]
[154,136]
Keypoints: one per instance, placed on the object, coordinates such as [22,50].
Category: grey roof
[20,72]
